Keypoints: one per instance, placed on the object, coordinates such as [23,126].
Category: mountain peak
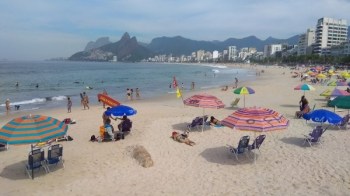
[126,36]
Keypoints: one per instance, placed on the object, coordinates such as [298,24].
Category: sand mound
[142,156]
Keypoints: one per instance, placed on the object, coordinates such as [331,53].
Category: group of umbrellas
[250,118]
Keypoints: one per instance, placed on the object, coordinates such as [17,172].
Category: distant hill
[98,43]
[126,49]
[183,46]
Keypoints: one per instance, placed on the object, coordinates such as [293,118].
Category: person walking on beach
[81,99]
[128,94]
[69,105]
[137,93]
[85,101]
[236,82]
[7,104]
[132,94]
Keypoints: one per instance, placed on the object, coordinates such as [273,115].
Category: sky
[44,29]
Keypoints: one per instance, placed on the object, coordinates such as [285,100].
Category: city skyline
[47,29]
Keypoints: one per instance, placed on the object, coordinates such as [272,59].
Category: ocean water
[58,79]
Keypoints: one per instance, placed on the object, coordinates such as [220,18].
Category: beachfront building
[232,53]
[215,55]
[270,50]
[342,49]
[200,55]
[306,40]
[329,32]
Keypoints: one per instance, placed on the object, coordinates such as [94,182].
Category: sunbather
[214,121]
[182,138]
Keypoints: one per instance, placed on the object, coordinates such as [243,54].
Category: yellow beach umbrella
[321,76]
[326,93]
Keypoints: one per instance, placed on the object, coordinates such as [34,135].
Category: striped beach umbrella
[32,129]
[256,119]
[304,87]
[204,101]
[244,91]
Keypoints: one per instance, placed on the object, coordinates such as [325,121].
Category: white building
[305,42]
[329,32]
[232,53]
[341,49]
[215,54]
[270,50]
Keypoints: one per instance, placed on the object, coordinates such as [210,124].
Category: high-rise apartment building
[305,42]
[232,53]
[329,32]
[270,50]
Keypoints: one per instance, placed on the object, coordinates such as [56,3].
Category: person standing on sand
[192,86]
[137,93]
[85,101]
[128,94]
[69,105]
[7,104]
[236,82]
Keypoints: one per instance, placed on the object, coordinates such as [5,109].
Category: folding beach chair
[257,143]
[315,136]
[54,156]
[235,102]
[36,160]
[197,122]
[242,146]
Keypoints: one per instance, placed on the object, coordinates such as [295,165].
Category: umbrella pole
[203,121]
[244,100]
[32,162]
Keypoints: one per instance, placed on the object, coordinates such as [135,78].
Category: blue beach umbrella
[121,110]
[322,116]
[32,129]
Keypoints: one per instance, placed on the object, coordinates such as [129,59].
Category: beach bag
[120,136]
[92,138]
[102,131]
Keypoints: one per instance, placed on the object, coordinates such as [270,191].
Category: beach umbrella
[322,115]
[321,76]
[32,129]
[244,91]
[326,93]
[204,101]
[304,87]
[256,119]
[337,83]
[337,92]
[121,110]
[341,102]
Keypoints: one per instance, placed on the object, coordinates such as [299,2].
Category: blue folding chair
[54,156]
[242,146]
[36,160]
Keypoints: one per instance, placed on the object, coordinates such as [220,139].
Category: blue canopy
[121,110]
[322,116]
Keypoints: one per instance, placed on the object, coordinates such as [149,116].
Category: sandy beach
[285,166]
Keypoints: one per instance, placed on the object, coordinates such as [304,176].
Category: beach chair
[242,146]
[344,122]
[315,136]
[235,102]
[257,143]
[197,122]
[54,156]
[36,160]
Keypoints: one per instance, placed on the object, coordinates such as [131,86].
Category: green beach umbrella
[341,102]
[244,91]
